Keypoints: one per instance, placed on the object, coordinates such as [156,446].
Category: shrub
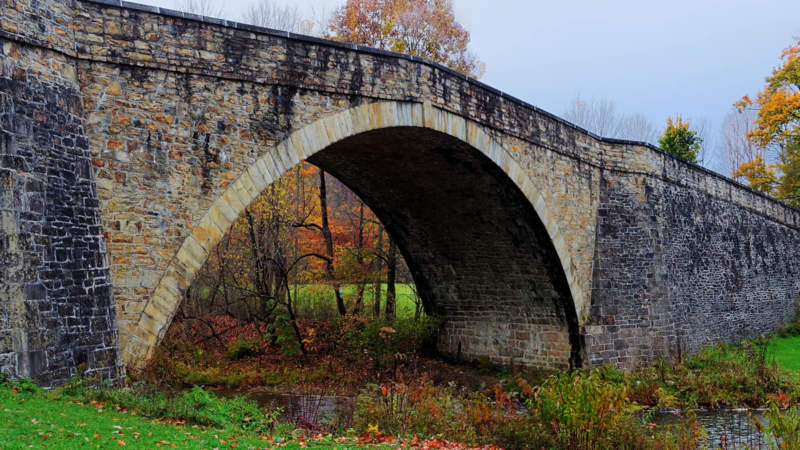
[195,406]
[380,339]
[243,348]
[422,409]
[593,411]
[792,329]
[566,411]
[721,375]
[25,385]
[783,426]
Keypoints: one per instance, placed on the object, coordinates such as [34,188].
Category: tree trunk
[391,278]
[326,234]
[362,280]
[293,318]
[378,277]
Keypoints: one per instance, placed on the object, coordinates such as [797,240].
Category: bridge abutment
[56,305]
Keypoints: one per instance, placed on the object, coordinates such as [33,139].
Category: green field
[317,300]
[33,420]
[786,351]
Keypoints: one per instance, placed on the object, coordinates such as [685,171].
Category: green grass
[786,351]
[317,300]
[30,419]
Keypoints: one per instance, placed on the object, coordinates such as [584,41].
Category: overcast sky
[659,58]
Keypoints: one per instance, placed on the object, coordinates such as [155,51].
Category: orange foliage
[758,174]
[424,28]
[287,215]
[778,103]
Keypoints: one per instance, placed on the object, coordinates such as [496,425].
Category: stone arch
[141,338]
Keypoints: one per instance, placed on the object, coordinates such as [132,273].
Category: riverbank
[76,416]
[398,393]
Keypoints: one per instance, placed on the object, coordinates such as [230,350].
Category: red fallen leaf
[433,443]
[97,436]
[120,442]
[384,391]
[387,438]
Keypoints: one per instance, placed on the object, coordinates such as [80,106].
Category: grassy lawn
[786,351]
[32,420]
[317,300]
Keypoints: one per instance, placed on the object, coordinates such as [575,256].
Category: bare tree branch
[267,14]
[208,8]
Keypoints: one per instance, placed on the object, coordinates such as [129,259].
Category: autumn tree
[253,267]
[424,28]
[789,164]
[778,104]
[777,124]
[329,248]
[305,230]
[680,139]
[759,175]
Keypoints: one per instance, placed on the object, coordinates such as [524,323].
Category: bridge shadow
[479,254]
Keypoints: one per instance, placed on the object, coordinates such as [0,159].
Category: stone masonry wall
[56,309]
[677,268]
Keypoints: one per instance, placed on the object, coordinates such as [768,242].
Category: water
[311,411]
[730,429]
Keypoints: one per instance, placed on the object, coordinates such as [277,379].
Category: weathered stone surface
[56,309]
[540,244]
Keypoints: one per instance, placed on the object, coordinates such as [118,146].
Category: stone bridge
[132,137]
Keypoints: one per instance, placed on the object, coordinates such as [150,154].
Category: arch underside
[479,255]
[474,231]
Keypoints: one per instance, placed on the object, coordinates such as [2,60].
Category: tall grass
[719,376]
[573,411]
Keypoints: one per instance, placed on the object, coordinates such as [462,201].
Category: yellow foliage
[758,174]
[778,103]
[424,28]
